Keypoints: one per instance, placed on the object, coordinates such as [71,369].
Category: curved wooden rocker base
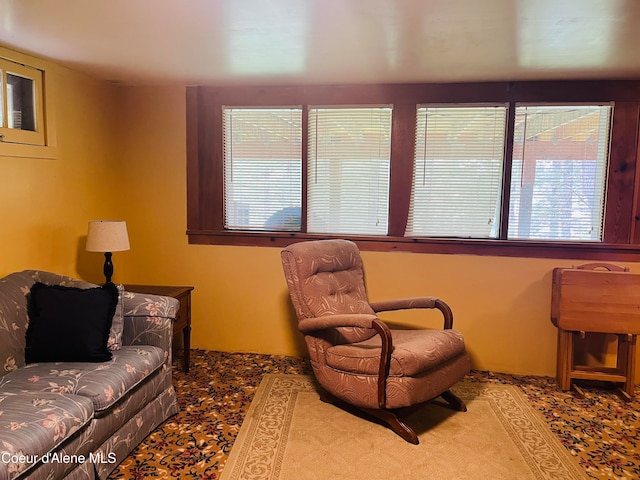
[392,418]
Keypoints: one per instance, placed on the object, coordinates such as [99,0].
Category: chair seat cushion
[103,383]
[34,424]
[414,353]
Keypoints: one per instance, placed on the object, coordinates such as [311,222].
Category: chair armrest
[416,302]
[385,360]
[363,320]
[403,304]
[148,320]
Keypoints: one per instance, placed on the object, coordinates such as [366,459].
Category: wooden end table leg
[564,363]
[186,342]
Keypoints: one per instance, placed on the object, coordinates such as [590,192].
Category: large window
[500,169]
[348,170]
[457,173]
[559,172]
[262,168]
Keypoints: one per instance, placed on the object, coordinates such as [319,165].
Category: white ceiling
[223,42]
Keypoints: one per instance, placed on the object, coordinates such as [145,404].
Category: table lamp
[107,236]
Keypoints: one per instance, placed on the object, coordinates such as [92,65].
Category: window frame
[229,158]
[383,142]
[48,150]
[13,135]
[608,105]
[421,136]
[621,239]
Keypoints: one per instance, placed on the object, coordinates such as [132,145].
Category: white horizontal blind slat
[457,175]
[560,158]
[348,170]
[262,168]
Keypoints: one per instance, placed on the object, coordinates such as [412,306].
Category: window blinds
[457,175]
[262,168]
[348,170]
[560,154]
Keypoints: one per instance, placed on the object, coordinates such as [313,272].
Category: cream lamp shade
[107,236]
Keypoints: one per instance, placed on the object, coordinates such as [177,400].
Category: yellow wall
[121,153]
[45,203]
[241,303]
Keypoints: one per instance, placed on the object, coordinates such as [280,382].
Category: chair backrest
[326,277]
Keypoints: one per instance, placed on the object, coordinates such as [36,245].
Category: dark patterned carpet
[600,429]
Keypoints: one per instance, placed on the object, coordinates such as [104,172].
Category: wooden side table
[183,317]
[600,298]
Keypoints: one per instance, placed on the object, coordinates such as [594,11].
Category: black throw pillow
[69,324]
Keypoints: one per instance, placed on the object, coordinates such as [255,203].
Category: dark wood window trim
[622,216]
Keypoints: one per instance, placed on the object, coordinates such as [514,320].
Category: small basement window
[21,102]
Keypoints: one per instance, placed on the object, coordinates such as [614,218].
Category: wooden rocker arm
[385,360]
[416,302]
[308,325]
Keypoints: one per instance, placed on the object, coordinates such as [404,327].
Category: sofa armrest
[148,320]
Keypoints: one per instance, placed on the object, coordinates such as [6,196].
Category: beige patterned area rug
[289,434]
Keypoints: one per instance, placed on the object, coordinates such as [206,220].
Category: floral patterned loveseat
[78,420]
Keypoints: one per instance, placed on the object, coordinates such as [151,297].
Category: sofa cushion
[69,323]
[103,383]
[34,424]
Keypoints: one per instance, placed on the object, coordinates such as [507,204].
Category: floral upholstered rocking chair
[355,356]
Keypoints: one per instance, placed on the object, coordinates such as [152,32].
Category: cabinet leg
[565,359]
[626,363]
